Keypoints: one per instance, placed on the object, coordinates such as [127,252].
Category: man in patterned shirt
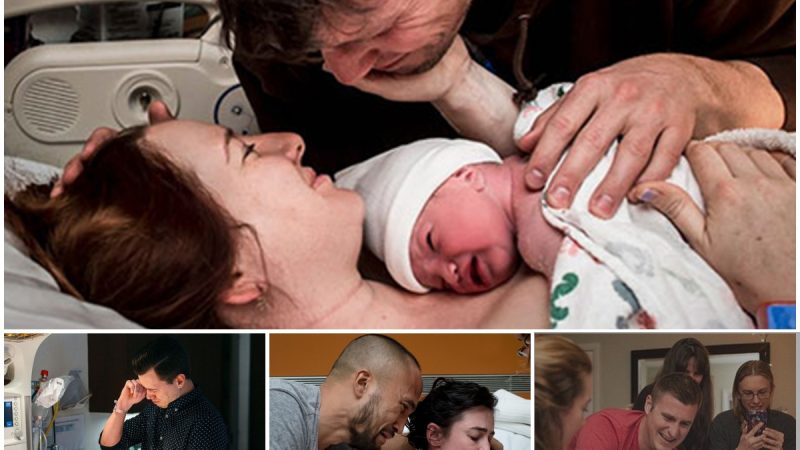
[178,415]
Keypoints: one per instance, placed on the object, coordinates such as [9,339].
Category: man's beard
[365,439]
[435,53]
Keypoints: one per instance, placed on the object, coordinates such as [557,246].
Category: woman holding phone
[751,424]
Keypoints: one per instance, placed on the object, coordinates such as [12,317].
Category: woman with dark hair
[751,424]
[184,224]
[455,415]
[688,356]
[562,392]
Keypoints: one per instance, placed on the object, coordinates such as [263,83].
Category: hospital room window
[100,22]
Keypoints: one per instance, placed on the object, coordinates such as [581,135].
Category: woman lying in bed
[182,224]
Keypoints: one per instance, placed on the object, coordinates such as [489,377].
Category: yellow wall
[438,354]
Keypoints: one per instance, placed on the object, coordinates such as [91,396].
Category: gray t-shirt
[726,429]
[294,416]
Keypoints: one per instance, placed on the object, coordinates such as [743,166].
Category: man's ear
[648,404]
[435,434]
[180,379]
[473,176]
[361,383]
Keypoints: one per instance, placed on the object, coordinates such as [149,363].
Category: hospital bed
[56,94]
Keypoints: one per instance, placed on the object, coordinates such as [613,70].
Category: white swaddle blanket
[635,270]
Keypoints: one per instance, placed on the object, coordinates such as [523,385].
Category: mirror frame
[762,348]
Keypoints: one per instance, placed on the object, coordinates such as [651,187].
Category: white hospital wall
[60,353]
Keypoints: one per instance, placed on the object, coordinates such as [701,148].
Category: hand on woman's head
[134,232]
[157,112]
[275,210]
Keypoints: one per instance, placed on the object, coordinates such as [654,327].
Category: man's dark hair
[165,355]
[679,385]
[280,30]
[375,352]
[444,405]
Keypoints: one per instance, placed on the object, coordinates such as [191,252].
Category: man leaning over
[669,412]
[365,400]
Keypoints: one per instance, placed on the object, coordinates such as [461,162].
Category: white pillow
[512,408]
[32,297]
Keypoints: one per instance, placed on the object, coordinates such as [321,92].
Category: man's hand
[424,87]
[156,112]
[654,104]
[132,393]
[747,233]
[74,166]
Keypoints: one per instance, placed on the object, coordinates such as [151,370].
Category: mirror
[724,360]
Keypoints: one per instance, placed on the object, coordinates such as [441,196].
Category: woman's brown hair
[747,369]
[133,232]
[559,366]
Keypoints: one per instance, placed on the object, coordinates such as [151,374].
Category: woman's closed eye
[477,437]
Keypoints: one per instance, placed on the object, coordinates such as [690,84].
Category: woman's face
[755,392]
[691,370]
[300,217]
[573,418]
[473,431]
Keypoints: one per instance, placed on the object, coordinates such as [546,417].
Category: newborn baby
[450,214]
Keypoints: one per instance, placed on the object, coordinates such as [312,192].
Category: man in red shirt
[667,417]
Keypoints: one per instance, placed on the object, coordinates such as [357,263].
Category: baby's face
[462,241]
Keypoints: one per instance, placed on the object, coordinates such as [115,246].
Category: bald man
[365,400]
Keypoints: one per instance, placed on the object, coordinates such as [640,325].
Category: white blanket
[635,270]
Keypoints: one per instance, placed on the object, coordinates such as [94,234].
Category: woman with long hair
[688,356]
[562,391]
[751,424]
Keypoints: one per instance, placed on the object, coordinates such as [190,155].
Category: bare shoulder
[521,302]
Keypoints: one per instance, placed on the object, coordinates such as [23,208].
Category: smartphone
[754,418]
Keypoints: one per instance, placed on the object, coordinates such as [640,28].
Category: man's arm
[119,434]
[116,434]
[737,30]
[474,101]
